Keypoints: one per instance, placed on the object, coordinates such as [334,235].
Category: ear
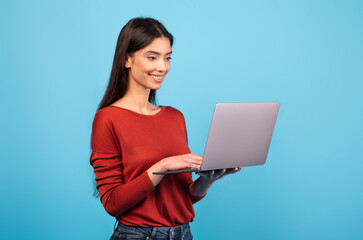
[128,61]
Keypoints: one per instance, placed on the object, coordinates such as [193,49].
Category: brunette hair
[135,35]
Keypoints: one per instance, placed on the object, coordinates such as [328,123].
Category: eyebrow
[156,53]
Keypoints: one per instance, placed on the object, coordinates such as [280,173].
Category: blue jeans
[181,232]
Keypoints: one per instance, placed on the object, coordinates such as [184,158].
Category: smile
[157,78]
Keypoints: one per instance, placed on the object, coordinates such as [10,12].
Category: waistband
[151,232]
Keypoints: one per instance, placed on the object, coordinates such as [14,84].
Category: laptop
[239,136]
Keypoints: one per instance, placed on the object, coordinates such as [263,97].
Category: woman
[132,138]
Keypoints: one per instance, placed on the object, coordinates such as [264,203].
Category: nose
[162,66]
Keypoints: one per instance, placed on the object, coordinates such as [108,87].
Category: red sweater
[124,145]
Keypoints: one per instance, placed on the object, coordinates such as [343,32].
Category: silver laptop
[239,136]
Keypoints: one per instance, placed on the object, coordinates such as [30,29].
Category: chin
[155,88]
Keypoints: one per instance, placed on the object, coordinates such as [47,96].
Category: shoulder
[175,111]
[102,114]
[103,117]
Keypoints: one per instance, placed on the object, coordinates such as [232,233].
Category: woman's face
[148,66]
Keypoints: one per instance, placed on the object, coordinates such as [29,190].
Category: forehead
[161,45]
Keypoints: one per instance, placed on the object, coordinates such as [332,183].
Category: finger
[208,174]
[219,173]
[233,170]
[193,161]
[202,173]
[195,156]
[195,165]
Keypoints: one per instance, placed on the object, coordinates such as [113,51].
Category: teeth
[157,77]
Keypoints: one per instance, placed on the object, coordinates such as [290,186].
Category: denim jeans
[181,232]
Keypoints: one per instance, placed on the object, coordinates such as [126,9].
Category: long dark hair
[135,35]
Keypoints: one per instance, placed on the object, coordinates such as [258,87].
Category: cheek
[140,65]
[168,66]
[148,67]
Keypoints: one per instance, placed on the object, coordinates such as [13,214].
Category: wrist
[162,165]
[159,166]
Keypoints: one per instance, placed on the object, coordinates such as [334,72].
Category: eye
[151,58]
[168,58]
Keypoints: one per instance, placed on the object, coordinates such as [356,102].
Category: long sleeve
[106,159]
[125,144]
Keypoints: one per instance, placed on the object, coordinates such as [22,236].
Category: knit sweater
[124,145]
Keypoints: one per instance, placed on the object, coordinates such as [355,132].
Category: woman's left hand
[214,175]
[200,186]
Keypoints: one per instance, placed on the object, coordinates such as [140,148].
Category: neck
[137,98]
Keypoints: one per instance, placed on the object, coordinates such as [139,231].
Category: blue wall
[55,60]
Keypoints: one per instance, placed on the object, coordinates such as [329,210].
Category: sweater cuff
[148,184]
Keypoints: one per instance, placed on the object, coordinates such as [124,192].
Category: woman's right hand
[180,162]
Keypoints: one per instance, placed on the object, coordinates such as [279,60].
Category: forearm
[158,167]
[200,187]
[114,200]
[113,194]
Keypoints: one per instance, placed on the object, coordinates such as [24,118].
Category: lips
[157,78]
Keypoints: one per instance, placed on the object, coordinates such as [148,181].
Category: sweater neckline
[140,114]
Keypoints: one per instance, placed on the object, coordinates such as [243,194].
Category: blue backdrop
[55,60]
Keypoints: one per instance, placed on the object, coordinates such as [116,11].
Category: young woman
[132,138]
